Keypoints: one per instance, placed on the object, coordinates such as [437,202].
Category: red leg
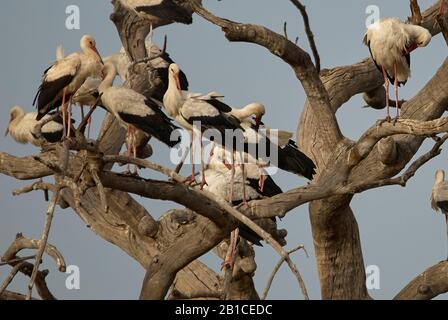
[243,174]
[386,86]
[230,258]
[64,124]
[134,149]
[82,111]
[89,125]
[69,116]
[261,180]
[211,155]
[232,180]
[192,178]
[128,146]
[397,114]
[203,182]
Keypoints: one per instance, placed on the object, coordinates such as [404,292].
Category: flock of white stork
[85,78]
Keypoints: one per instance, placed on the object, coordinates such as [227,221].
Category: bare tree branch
[427,285]
[10,277]
[276,268]
[43,241]
[308,31]
[416,13]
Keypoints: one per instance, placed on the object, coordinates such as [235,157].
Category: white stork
[160,12]
[21,126]
[189,108]
[64,77]
[242,186]
[439,195]
[391,42]
[87,94]
[134,111]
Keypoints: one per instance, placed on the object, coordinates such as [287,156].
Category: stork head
[440,176]
[88,44]
[258,110]
[423,38]
[14,113]
[174,71]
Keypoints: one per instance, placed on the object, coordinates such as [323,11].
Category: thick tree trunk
[338,249]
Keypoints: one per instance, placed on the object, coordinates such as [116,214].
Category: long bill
[99,56]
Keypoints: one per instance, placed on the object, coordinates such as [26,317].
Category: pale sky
[399,231]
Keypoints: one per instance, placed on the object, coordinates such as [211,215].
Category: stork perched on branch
[21,127]
[134,111]
[237,187]
[65,76]
[391,42]
[187,108]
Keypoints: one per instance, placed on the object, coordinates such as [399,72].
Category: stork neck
[247,111]
[172,99]
[89,52]
[107,81]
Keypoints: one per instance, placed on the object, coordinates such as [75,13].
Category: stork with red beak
[65,76]
[391,42]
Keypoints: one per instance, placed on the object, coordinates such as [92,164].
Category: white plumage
[67,75]
[133,110]
[21,126]
[86,94]
[391,42]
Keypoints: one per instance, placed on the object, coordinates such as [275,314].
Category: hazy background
[400,233]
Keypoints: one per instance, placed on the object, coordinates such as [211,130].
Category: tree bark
[338,249]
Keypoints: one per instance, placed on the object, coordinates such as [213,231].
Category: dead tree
[168,248]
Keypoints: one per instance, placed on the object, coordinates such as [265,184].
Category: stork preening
[188,108]
[236,188]
[196,112]
[64,77]
[21,127]
[134,111]
[160,12]
[290,158]
[391,42]
[439,195]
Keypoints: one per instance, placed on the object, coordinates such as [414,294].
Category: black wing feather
[46,94]
[291,159]
[155,125]
[219,105]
